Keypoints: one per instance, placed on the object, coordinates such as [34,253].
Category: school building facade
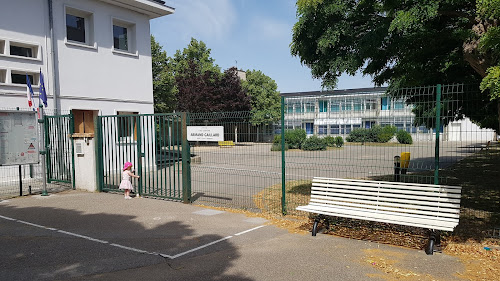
[337,113]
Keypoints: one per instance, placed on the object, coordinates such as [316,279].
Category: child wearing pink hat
[126,184]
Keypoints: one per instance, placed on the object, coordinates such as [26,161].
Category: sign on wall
[18,138]
[205,133]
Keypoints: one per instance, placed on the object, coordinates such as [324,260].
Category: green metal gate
[154,144]
[59,144]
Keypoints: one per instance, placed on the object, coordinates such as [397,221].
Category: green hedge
[374,134]
[314,143]
[404,137]
[293,138]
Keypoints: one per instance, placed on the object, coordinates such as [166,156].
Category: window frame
[35,77]
[131,37]
[88,16]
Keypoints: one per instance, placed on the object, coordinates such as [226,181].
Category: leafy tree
[265,98]
[196,52]
[164,89]
[210,91]
[404,43]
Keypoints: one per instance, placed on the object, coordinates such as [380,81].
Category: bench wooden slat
[421,205]
[385,191]
[431,224]
[401,184]
[389,197]
[452,208]
[401,208]
[384,214]
[399,188]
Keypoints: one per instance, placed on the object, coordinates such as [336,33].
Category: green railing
[59,143]
[153,143]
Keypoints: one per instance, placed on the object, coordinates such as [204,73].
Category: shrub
[330,141]
[339,141]
[386,134]
[314,143]
[295,137]
[277,139]
[358,135]
[404,137]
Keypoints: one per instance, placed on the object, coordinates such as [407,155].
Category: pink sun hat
[126,165]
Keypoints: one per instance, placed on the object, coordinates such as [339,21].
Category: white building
[341,111]
[95,55]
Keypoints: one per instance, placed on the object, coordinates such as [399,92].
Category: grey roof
[358,91]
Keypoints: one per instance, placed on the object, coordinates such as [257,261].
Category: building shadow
[79,246]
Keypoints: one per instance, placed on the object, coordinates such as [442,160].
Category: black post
[20,182]
[397,168]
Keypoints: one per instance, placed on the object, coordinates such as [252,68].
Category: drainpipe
[55,75]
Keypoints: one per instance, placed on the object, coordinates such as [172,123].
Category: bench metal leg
[434,242]
[315,226]
[317,220]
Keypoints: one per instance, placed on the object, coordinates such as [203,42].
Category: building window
[385,104]
[371,104]
[358,105]
[322,129]
[23,50]
[310,106]
[120,36]
[75,28]
[84,121]
[334,129]
[124,36]
[20,78]
[399,105]
[335,107]
[79,26]
[346,106]
[298,108]
[323,106]
[290,108]
[127,127]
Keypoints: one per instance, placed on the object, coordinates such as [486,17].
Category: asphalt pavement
[76,235]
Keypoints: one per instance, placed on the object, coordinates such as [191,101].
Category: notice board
[18,138]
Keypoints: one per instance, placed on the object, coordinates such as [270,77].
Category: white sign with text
[205,133]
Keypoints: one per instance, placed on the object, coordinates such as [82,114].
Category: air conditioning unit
[79,149]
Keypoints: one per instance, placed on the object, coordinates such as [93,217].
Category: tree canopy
[210,91]
[265,98]
[403,43]
[164,89]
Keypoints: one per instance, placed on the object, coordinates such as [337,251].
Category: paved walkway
[90,236]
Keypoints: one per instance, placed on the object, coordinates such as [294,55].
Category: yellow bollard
[405,162]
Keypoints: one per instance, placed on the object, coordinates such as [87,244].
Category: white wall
[89,77]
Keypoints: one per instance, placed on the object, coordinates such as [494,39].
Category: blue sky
[255,34]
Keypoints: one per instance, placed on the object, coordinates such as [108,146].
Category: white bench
[435,207]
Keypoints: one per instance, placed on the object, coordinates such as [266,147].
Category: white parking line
[130,248]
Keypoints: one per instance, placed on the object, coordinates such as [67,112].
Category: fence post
[186,161]
[283,175]
[98,151]
[438,126]
[140,154]
[72,131]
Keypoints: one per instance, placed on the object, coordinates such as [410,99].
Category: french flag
[29,92]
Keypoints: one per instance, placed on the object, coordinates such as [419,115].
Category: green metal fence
[153,143]
[377,126]
[243,174]
[60,152]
